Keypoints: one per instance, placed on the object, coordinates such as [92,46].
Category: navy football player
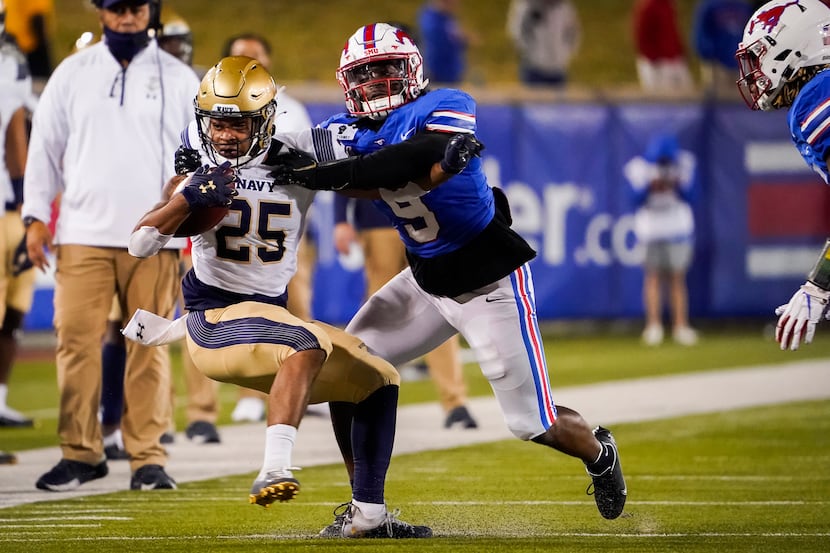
[784,60]
[468,271]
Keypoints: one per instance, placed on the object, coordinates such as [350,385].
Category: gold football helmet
[237,94]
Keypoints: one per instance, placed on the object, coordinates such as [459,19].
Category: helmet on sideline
[175,36]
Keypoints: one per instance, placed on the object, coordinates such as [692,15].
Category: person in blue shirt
[443,40]
[717,30]
[784,62]
[468,270]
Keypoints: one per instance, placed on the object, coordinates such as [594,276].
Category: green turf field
[572,360]
[750,480]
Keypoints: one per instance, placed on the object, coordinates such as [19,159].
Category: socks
[4,392]
[373,435]
[369,514]
[279,443]
[113,359]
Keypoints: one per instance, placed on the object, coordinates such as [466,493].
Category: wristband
[820,275]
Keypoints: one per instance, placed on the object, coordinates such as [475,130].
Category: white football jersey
[253,250]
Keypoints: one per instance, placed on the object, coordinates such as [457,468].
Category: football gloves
[459,151]
[797,319]
[298,169]
[210,187]
[186,160]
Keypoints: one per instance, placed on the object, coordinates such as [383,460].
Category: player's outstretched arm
[427,158]
[797,319]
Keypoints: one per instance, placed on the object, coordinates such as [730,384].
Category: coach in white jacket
[103,139]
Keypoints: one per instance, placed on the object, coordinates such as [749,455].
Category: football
[199,220]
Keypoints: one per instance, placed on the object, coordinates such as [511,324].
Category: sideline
[420,426]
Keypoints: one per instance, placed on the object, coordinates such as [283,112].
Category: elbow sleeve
[147,241]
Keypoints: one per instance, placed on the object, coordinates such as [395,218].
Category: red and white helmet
[782,37]
[380,70]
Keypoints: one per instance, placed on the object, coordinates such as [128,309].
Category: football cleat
[335,529]
[277,485]
[608,484]
[355,526]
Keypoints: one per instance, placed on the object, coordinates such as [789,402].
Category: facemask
[124,46]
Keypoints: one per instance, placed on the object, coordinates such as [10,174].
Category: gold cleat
[279,485]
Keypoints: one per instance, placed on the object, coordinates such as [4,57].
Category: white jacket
[104,137]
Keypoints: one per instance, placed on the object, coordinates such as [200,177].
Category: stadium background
[761,214]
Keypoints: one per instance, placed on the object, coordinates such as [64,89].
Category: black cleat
[389,527]
[202,432]
[335,529]
[608,484]
[68,475]
[151,477]
[278,485]
[461,416]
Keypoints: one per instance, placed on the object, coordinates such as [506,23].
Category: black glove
[296,168]
[459,151]
[210,187]
[186,160]
[21,261]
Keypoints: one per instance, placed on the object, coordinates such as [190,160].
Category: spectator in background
[443,41]
[358,221]
[664,224]
[17,278]
[31,22]
[546,34]
[661,60]
[94,127]
[291,116]
[718,27]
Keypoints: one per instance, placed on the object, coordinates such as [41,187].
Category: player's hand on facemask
[459,151]
[211,187]
[186,160]
[797,319]
[295,168]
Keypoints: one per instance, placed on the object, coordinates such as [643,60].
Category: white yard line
[420,426]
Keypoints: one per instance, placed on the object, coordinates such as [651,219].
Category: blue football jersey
[449,216]
[809,120]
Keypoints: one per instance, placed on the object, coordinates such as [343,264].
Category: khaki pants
[85,280]
[386,257]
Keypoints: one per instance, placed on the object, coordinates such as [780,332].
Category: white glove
[798,318]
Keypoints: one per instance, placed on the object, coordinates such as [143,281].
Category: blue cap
[104,4]
[662,148]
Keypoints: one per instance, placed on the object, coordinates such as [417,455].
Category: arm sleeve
[391,167]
